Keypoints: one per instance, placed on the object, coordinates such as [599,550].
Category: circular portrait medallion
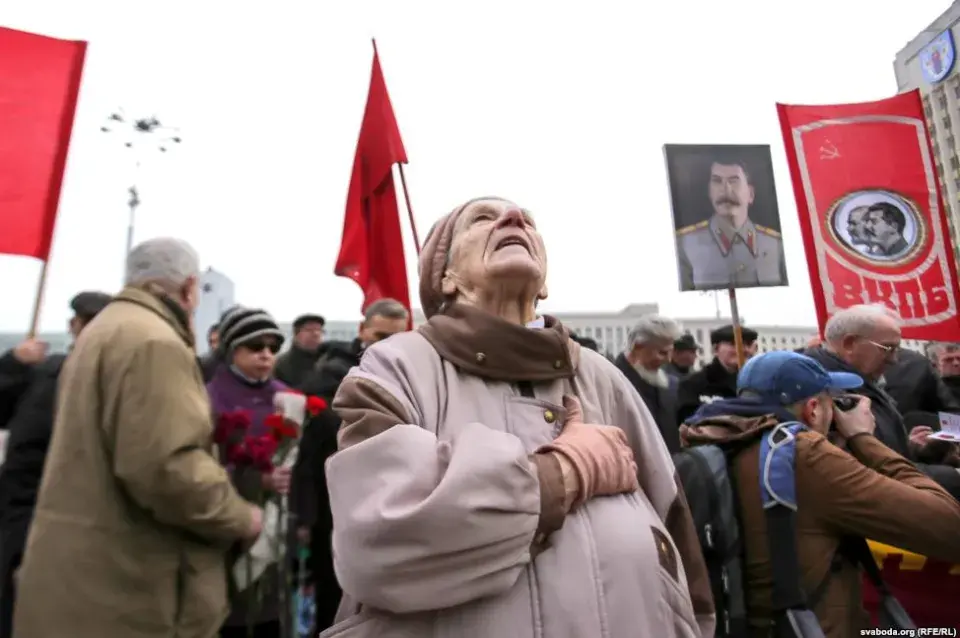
[878,226]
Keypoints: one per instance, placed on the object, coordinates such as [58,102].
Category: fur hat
[724,334]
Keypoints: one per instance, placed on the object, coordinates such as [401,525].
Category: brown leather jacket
[867,491]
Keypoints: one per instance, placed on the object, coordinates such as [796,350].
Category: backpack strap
[778,491]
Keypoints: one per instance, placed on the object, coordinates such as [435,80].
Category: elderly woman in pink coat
[494,479]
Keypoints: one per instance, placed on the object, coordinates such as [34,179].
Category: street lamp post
[139,135]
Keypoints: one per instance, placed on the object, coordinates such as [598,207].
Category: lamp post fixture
[139,135]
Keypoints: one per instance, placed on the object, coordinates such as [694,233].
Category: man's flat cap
[88,303]
[303,320]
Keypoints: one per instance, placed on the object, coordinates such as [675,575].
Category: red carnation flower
[280,428]
[315,405]
[229,423]
[238,455]
[261,450]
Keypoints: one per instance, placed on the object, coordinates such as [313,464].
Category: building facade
[217,293]
[928,63]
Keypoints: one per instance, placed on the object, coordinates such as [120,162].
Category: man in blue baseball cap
[796,382]
[848,485]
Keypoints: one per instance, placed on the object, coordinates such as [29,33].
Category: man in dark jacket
[295,364]
[917,384]
[914,383]
[30,430]
[649,346]
[717,379]
[310,501]
[16,370]
[865,339]
[210,360]
[684,357]
[945,357]
[586,342]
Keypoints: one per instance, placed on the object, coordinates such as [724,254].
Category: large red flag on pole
[873,222]
[371,251]
[39,83]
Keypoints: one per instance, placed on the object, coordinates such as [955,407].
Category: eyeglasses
[260,346]
[887,349]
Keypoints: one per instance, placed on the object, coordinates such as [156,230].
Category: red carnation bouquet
[241,449]
[256,456]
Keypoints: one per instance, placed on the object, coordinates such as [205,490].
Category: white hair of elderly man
[166,261]
[859,320]
[653,329]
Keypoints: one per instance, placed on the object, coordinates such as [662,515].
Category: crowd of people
[488,474]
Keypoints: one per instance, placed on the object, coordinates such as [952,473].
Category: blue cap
[785,377]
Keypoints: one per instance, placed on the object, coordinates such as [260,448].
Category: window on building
[946,121]
[956,89]
[951,142]
[942,101]
[954,161]
[940,170]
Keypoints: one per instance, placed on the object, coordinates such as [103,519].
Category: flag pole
[403,183]
[737,330]
[38,301]
[406,197]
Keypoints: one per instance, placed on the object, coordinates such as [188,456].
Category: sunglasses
[260,345]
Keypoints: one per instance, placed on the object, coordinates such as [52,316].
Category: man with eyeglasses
[865,339]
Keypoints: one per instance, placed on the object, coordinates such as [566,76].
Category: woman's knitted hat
[241,325]
[435,257]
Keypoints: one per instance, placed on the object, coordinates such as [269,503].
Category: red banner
[39,82]
[871,215]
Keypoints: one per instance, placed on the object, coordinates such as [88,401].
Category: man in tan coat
[135,514]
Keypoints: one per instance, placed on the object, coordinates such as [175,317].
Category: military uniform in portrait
[712,254]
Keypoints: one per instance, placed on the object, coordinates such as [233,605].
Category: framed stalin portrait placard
[725,216]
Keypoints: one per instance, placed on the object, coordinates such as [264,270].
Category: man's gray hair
[934,348]
[387,308]
[653,328]
[165,261]
[858,321]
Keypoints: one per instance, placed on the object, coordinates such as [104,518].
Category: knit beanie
[435,257]
[241,325]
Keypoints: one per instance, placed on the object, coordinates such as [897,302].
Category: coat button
[549,416]
[481,357]
[558,364]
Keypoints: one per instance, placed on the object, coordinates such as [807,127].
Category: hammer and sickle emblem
[828,151]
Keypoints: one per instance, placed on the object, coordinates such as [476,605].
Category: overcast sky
[564,111]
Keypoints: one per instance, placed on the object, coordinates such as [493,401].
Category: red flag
[371,251]
[39,83]
[873,222]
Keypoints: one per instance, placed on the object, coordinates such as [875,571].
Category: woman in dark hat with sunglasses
[249,342]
